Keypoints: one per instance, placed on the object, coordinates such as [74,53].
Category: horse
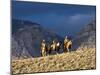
[58,45]
[54,47]
[67,46]
[43,49]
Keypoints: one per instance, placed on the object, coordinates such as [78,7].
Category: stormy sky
[63,19]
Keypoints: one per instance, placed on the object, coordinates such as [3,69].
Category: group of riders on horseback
[56,46]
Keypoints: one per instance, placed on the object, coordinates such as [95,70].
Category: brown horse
[43,49]
[67,46]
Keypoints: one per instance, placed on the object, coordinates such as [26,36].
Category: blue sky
[63,19]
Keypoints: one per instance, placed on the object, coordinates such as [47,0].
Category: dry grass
[83,58]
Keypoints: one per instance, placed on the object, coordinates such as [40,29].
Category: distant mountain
[26,38]
[16,24]
[87,36]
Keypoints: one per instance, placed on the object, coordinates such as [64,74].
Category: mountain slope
[87,36]
[26,38]
[81,58]
[77,60]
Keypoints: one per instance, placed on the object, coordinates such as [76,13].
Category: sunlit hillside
[83,58]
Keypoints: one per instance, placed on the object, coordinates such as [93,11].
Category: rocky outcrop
[87,36]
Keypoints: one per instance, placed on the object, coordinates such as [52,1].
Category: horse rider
[53,45]
[43,48]
[65,43]
[69,45]
[58,45]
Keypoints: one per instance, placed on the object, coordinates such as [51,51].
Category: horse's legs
[41,54]
[64,49]
[49,51]
[68,49]
[44,53]
[56,50]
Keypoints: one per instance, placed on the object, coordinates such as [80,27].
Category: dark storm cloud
[60,17]
[29,8]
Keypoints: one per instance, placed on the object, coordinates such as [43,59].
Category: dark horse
[54,47]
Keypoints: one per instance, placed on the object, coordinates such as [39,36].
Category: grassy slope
[83,58]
